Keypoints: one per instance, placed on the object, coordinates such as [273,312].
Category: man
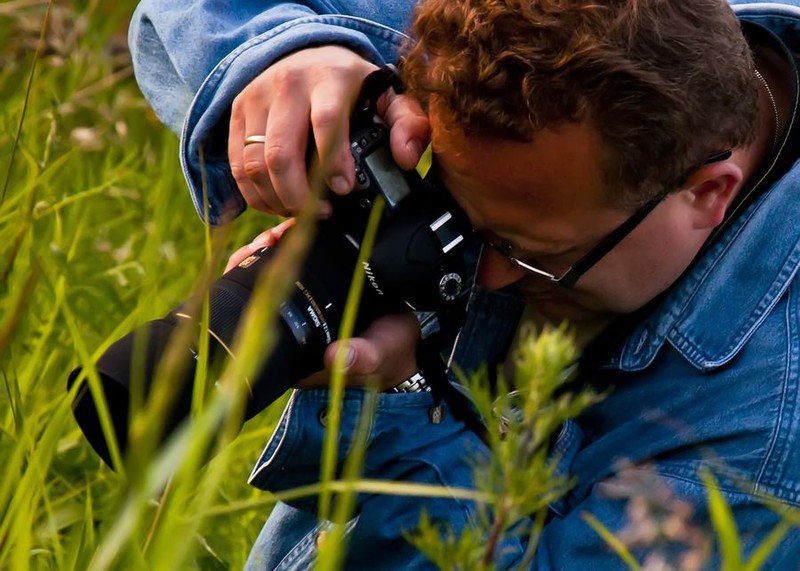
[630,167]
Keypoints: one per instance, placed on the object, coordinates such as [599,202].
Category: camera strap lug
[435,371]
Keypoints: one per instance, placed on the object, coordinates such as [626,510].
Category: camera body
[416,263]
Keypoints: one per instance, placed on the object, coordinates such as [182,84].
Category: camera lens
[308,321]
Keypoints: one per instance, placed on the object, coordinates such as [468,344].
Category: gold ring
[255,140]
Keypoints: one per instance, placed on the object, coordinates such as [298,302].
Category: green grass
[97,234]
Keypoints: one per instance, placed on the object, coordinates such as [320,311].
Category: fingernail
[339,185]
[259,242]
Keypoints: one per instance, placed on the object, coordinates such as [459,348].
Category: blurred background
[97,234]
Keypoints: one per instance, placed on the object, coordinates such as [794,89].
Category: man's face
[546,200]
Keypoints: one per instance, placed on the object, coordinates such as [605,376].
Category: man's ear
[711,190]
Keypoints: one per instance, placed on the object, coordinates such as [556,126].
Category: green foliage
[98,234]
[730,545]
[520,478]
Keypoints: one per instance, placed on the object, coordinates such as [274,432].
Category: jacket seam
[766,304]
[670,471]
[304,549]
[284,423]
[771,469]
[688,475]
[771,9]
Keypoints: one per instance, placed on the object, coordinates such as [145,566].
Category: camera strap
[428,358]
[435,372]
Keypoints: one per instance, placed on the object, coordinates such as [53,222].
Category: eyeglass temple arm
[608,243]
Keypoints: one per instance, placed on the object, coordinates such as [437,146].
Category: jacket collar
[713,311]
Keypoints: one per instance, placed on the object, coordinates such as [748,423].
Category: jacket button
[436,414]
[322,417]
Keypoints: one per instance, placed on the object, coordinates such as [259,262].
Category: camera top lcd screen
[388,176]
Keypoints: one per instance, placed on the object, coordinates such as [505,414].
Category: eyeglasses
[569,278]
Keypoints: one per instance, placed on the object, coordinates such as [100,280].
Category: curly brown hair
[665,82]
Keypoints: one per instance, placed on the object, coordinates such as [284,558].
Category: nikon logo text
[371,277]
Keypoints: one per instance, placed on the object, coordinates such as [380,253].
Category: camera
[416,263]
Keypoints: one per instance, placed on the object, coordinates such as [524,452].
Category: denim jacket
[192,57]
[710,378]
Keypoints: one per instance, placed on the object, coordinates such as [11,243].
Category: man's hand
[313,88]
[384,355]
[267,238]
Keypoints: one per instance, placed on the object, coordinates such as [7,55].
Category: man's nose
[496,271]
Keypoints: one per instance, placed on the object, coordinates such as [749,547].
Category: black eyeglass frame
[569,278]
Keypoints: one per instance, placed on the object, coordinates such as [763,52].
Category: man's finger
[410,129]
[385,352]
[266,239]
[241,255]
[331,128]
[285,150]
[236,153]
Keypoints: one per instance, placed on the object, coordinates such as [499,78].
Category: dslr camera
[417,264]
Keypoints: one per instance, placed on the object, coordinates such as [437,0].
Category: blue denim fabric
[407,443]
[192,57]
[710,379]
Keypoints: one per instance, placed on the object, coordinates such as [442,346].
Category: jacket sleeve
[192,57]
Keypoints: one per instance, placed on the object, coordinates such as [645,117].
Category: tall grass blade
[26,99]
[724,525]
[612,541]
[767,546]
